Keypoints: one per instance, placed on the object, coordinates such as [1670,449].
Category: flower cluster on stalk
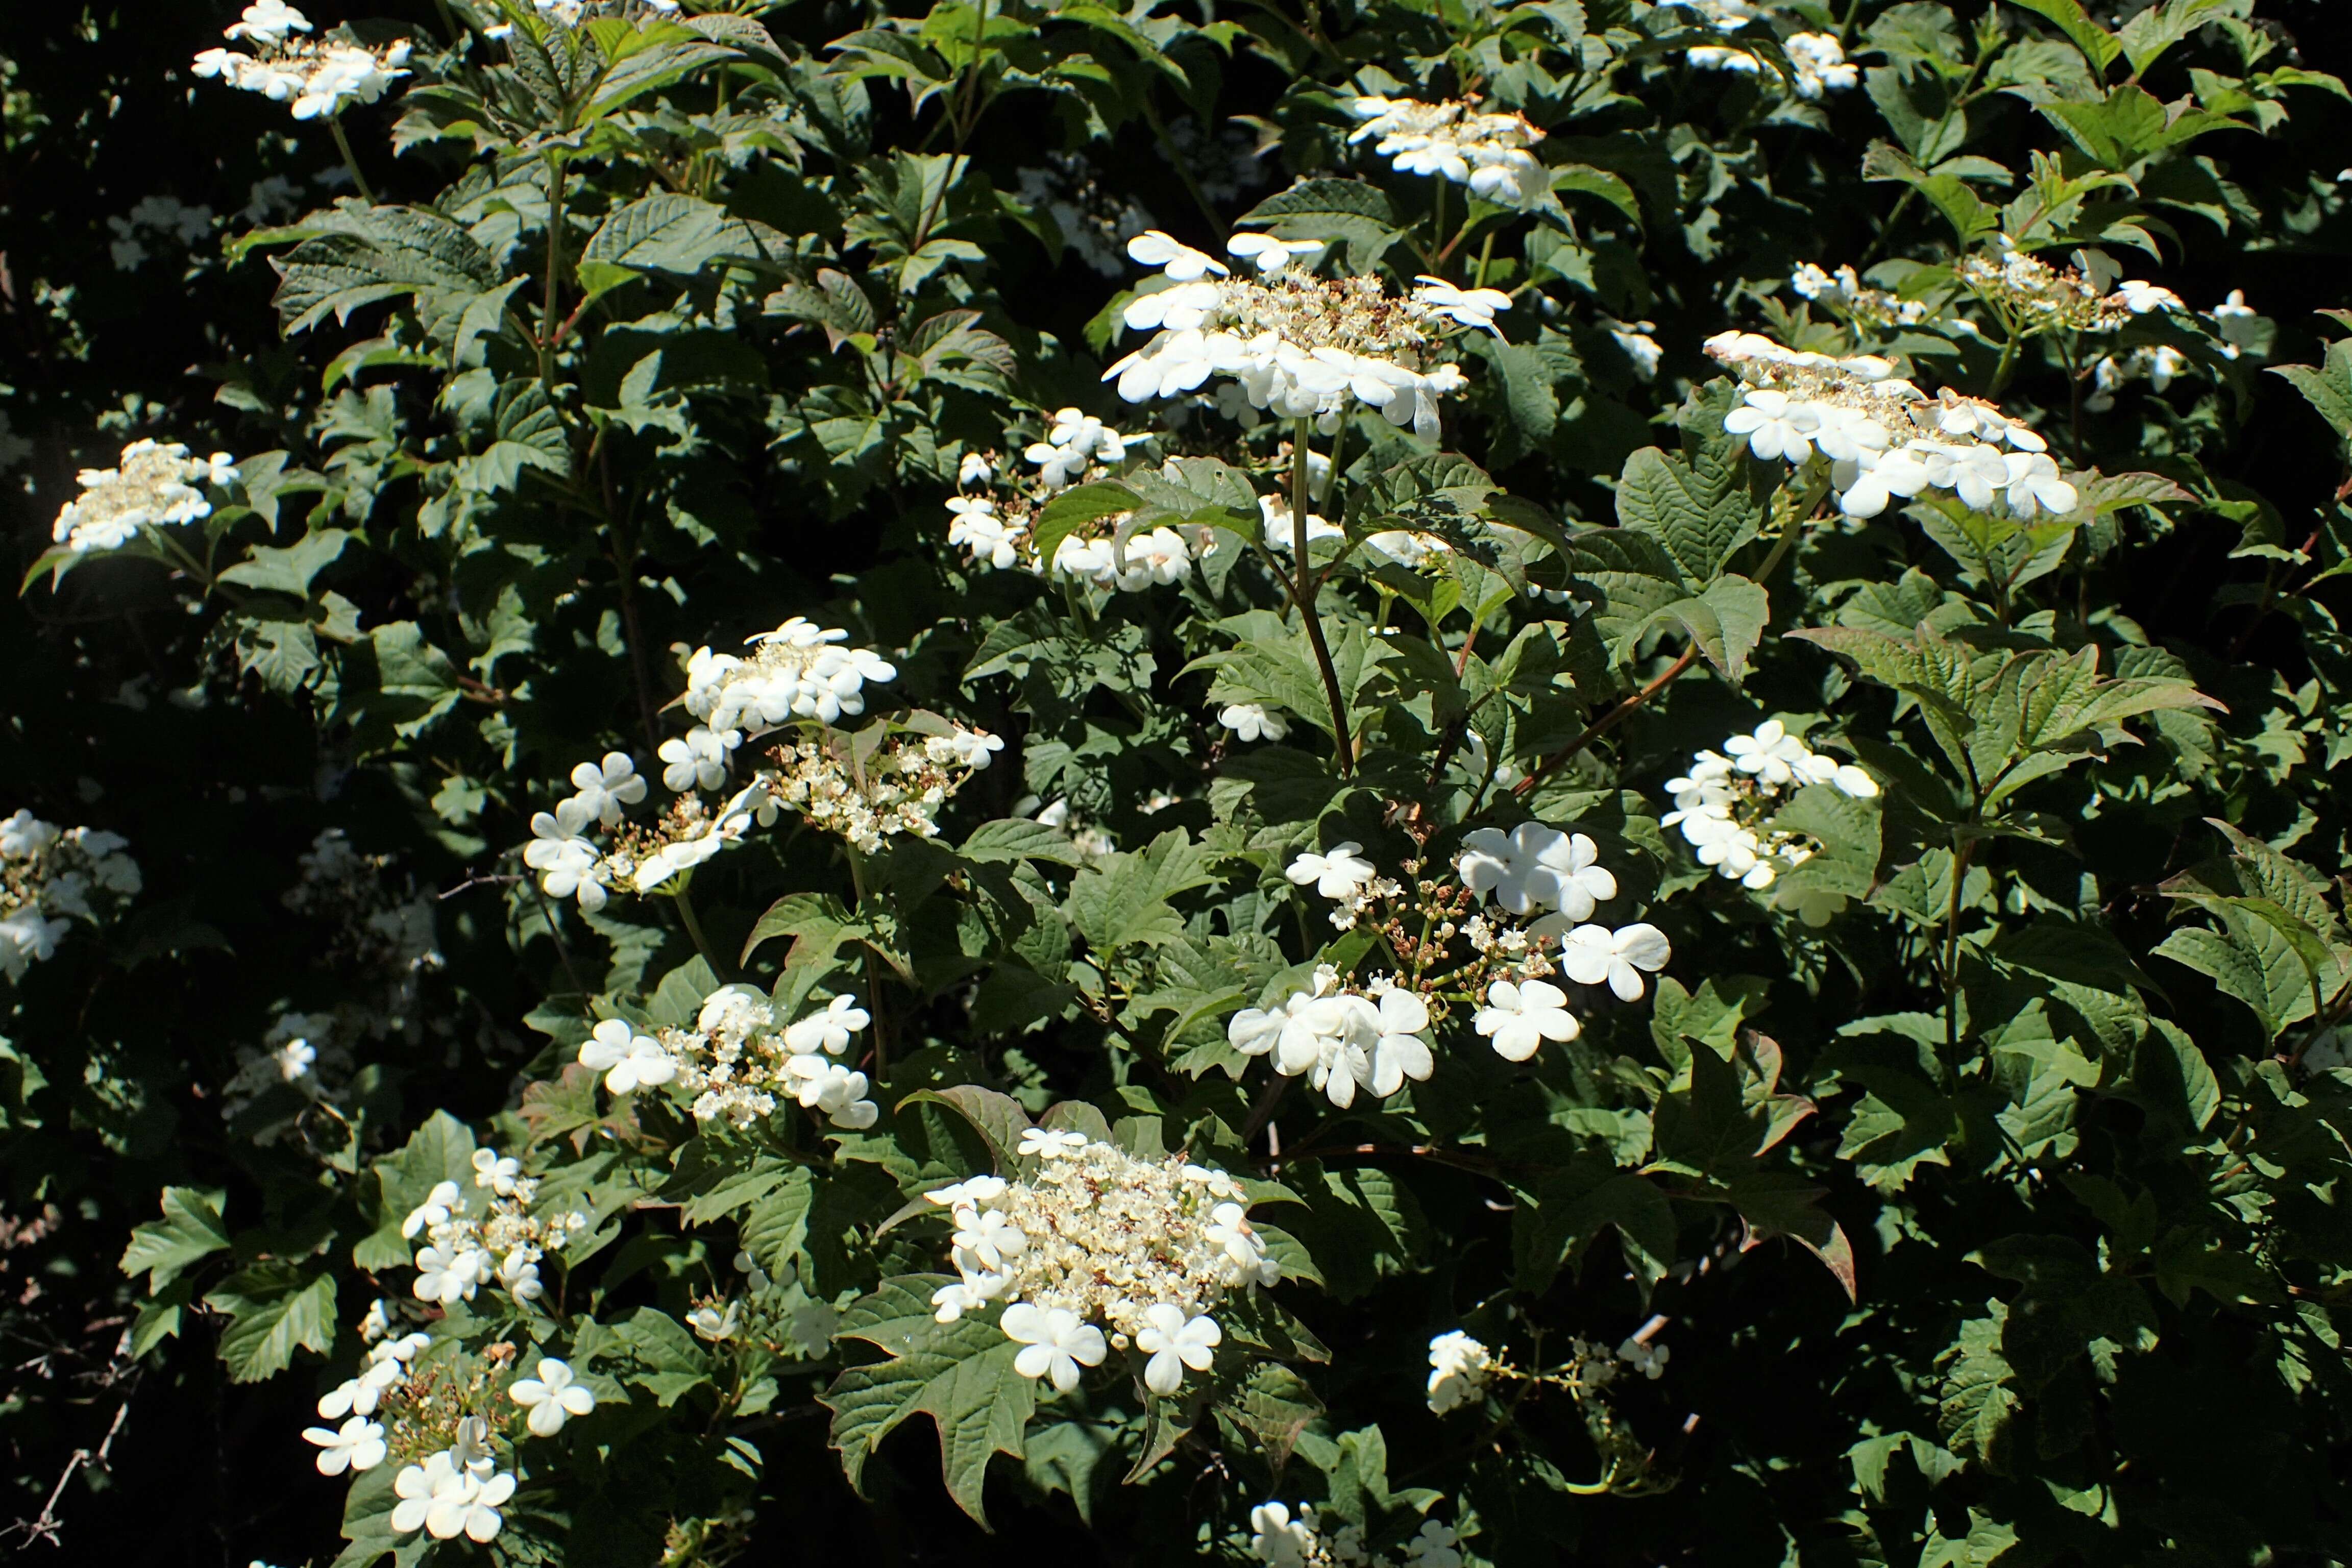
[1816,60]
[1298,345]
[1880,437]
[485,1235]
[51,876]
[1454,140]
[1845,294]
[316,77]
[1450,955]
[1093,1239]
[739,1061]
[151,484]
[800,670]
[1724,804]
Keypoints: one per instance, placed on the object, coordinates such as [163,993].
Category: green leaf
[442,1150]
[289,570]
[1328,209]
[998,1118]
[1725,624]
[2097,45]
[273,1308]
[1699,511]
[667,232]
[1570,1209]
[1015,839]
[191,1229]
[960,1374]
[1075,507]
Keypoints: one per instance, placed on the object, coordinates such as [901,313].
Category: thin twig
[1605,723]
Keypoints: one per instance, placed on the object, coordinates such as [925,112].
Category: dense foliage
[1359,781]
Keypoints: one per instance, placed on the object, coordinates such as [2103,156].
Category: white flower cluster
[358,1445]
[1818,59]
[1298,346]
[1844,292]
[153,483]
[1459,1369]
[1721,805]
[160,217]
[1093,219]
[1282,1538]
[316,77]
[738,1062]
[897,790]
[800,670]
[1882,436]
[485,1235]
[2036,296]
[1075,442]
[1097,1238]
[1341,1039]
[1454,141]
[52,876]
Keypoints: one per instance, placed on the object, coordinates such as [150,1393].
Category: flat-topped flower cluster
[800,670]
[2031,297]
[485,1235]
[153,483]
[51,876]
[739,1061]
[1344,1036]
[315,77]
[1096,1238]
[1455,140]
[1722,806]
[1883,438]
[1298,345]
[1817,60]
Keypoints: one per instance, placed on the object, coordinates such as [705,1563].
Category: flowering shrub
[1293,785]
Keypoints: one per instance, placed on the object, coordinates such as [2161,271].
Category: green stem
[1952,953]
[694,927]
[873,975]
[1342,731]
[367,192]
[547,317]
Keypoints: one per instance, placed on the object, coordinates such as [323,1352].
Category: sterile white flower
[697,759]
[1050,1144]
[830,1030]
[1459,1367]
[1519,1017]
[1338,873]
[1649,1360]
[498,1175]
[357,1445]
[553,1397]
[1174,1342]
[1056,1343]
[1465,307]
[1267,254]
[1279,1540]
[1535,866]
[445,1197]
[628,1060]
[1593,954]
[1253,722]
[605,787]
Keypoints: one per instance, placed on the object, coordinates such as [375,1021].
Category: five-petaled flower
[1174,1342]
